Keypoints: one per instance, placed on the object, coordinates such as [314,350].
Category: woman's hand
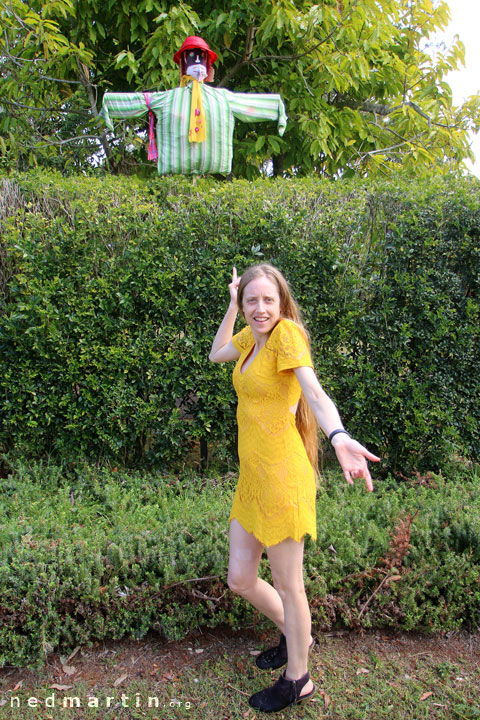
[223,349]
[353,458]
[233,288]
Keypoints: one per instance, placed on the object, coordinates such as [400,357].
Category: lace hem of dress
[274,538]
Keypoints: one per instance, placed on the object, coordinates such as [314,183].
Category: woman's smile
[261,305]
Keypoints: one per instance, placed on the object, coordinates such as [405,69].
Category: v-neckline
[242,370]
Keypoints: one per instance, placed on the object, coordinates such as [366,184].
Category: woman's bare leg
[245,554]
[286,561]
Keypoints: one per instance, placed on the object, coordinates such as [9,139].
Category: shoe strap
[299,684]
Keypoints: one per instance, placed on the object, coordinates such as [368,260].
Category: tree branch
[282,58]
[307,86]
[383,110]
[47,143]
[58,110]
[18,62]
[393,132]
[91,92]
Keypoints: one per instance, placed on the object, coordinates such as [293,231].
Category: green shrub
[113,288]
[88,554]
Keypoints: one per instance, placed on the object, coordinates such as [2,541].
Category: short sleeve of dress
[243,339]
[291,346]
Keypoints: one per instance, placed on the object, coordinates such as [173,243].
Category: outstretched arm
[255,107]
[122,105]
[127,105]
[223,349]
[350,454]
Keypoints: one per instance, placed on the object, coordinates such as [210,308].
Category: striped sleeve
[254,107]
[127,105]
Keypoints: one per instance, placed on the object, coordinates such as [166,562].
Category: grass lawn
[209,676]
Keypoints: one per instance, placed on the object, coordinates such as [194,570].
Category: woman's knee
[240,582]
[290,592]
[245,554]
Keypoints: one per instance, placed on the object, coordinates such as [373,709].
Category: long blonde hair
[304,417]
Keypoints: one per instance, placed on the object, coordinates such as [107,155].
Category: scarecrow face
[196,59]
[195,56]
[195,63]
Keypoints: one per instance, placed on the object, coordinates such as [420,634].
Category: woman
[279,403]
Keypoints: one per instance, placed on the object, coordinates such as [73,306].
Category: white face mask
[198,72]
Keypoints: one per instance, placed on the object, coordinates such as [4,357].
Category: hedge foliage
[88,554]
[112,290]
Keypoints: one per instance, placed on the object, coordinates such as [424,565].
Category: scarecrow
[194,122]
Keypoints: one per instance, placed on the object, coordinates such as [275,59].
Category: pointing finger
[368,482]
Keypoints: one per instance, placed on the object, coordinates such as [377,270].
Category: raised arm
[351,455]
[223,350]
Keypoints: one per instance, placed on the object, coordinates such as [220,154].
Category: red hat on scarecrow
[193,42]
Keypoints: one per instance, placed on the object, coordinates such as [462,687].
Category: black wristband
[336,432]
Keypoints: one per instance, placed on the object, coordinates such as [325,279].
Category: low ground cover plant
[89,553]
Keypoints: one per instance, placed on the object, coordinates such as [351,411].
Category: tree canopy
[364,92]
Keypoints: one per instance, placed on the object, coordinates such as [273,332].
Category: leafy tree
[363,91]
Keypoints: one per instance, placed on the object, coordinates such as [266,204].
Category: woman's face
[261,305]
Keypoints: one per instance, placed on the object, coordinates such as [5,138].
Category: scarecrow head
[196,59]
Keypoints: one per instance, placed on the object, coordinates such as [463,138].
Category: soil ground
[335,657]
[102,663]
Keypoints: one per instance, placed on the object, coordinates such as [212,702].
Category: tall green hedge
[112,290]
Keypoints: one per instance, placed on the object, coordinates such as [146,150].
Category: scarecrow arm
[254,107]
[127,105]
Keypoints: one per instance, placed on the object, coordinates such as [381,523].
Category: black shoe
[274,657]
[281,695]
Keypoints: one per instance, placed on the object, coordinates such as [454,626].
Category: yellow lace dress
[275,495]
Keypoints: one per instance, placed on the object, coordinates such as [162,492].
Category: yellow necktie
[198,130]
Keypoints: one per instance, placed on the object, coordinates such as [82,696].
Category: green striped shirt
[172,109]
